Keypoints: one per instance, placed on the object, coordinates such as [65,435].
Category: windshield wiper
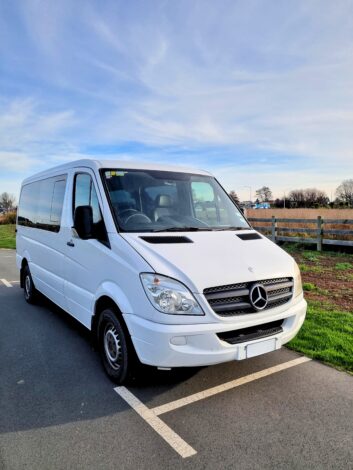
[232,228]
[183,229]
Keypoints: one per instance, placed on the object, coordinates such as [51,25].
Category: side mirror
[83,222]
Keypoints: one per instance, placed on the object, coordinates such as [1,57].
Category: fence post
[274,229]
[319,233]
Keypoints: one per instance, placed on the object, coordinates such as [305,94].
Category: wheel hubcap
[112,346]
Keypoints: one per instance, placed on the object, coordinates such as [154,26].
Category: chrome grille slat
[233,299]
[209,290]
[226,294]
[282,285]
[274,298]
[230,307]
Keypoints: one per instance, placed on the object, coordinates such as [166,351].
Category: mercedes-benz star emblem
[258,296]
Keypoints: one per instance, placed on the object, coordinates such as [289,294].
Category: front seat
[164,207]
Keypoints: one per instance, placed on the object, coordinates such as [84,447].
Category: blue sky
[258,92]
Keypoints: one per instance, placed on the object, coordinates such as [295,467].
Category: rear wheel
[30,292]
[116,350]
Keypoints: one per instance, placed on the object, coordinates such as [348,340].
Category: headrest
[164,200]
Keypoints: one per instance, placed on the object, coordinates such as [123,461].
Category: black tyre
[30,292]
[117,353]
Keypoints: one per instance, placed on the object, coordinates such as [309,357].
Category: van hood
[212,258]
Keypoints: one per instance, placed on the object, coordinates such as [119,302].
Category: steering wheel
[130,213]
[139,214]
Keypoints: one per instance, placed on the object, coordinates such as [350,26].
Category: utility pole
[249,187]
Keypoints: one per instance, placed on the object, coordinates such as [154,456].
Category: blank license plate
[261,347]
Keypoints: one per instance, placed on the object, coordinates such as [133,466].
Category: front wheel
[30,292]
[115,347]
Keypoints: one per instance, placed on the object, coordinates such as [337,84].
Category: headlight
[298,289]
[169,296]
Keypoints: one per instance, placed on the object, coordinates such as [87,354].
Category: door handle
[70,243]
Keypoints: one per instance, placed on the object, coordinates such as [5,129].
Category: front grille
[251,333]
[234,299]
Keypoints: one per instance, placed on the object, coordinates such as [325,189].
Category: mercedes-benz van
[158,262]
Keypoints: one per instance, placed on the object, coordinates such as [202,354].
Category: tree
[234,196]
[310,197]
[297,198]
[7,201]
[344,192]
[315,197]
[264,194]
[280,203]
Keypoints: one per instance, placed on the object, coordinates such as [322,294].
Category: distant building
[261,205]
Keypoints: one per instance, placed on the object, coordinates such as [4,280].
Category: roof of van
[114,164]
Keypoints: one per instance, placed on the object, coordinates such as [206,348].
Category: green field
[7,236]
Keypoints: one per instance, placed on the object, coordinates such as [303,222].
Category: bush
[9,218]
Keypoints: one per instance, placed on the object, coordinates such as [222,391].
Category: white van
[158,262]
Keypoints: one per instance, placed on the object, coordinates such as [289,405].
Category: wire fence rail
[317,231]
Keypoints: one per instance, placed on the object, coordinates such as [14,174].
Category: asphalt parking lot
[58,410]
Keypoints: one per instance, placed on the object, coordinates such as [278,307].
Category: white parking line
[173,439]
[6,283]
[150,415]
[173,405]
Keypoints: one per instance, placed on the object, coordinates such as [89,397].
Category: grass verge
[7,236]
[327,335]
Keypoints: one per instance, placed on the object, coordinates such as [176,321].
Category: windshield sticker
[110,174]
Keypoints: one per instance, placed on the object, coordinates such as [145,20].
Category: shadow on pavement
[51,373]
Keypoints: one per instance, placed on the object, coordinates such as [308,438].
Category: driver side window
[207,207]
[85,195]
[203,199]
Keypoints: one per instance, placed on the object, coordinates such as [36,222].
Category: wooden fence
[319,232]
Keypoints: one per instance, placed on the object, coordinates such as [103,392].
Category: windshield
[158,201]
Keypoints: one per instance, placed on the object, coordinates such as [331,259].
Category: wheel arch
[102,303]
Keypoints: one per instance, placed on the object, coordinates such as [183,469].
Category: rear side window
[41,204]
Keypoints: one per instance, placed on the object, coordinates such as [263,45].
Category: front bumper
[193,345]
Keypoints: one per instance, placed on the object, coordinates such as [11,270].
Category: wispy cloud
[238,87]
[31,137]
